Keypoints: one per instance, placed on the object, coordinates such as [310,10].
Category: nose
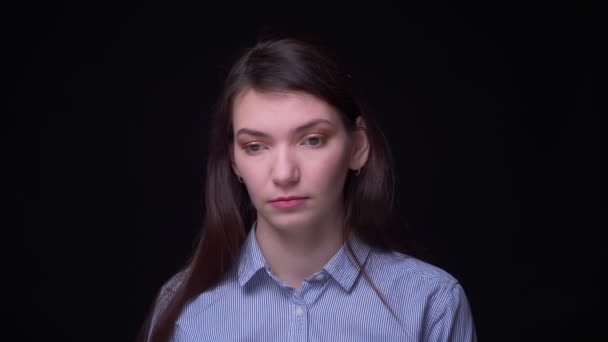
[285,171]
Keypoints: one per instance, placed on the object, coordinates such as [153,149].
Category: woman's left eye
[314,141]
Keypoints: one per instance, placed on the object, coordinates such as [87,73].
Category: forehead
[279,110]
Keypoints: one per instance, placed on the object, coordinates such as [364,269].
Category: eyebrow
[298,129]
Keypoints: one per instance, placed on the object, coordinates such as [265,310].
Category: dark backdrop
[488,109]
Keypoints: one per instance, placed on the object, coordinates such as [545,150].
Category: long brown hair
[279,63]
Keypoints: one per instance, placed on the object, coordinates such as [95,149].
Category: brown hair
[279,63]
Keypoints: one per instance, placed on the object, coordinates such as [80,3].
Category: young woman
[298,238]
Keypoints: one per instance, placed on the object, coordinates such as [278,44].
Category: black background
[487,106]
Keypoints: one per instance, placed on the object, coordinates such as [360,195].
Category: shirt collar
[342,267]
[251,260]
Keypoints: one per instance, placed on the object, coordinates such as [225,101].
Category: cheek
[248,169]
[330,168]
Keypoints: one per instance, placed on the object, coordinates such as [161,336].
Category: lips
[287,202]
[288,198]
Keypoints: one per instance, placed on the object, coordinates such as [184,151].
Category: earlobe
[236,172]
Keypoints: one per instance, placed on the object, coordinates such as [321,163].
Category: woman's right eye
[253,148]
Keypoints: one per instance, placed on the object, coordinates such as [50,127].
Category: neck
[296,253]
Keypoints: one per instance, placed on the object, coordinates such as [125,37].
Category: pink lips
[287,202]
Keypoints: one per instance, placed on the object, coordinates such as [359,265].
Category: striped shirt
[334,304]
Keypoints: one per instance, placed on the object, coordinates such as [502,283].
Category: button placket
[299,311]
[301,322]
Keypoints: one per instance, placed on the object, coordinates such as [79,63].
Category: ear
[360,145]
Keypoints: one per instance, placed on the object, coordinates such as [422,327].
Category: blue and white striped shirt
[335,304]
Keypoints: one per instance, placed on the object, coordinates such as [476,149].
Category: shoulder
[172,285]
[408,279]
[167,290]
[163,298]
[398,268]
[420,289]
[227,288]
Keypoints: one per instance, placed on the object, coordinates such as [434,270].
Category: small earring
[358,172]
[240,179]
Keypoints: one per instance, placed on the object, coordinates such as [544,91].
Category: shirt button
[299,311]
[320,276]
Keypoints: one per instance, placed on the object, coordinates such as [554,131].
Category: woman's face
[293,145]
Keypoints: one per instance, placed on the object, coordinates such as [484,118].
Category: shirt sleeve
[451,318]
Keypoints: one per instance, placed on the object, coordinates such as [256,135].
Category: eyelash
[320,137]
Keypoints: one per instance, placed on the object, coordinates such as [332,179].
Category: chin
[289,221]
